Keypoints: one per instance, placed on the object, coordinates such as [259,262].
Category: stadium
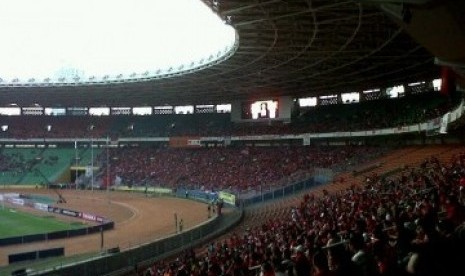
[215,137]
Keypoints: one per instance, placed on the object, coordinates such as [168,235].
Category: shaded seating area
[24,166]
[366,115]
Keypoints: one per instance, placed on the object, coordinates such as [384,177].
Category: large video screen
[260,110]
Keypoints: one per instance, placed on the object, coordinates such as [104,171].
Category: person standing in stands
[264,111]
[219,206]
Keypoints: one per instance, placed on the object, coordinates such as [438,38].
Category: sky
[64,38]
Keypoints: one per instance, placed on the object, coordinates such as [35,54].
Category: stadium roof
[297,47]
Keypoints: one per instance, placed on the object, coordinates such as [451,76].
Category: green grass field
[17,223]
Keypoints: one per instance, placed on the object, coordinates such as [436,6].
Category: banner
[448,81]
[401,129]
[161,190]
[65,212]
[17,201]
[433,126]
[444,123]
[88,216]
[306,140]
[185,142]
[157,190]
[70,213]
[41,206]
[227,197]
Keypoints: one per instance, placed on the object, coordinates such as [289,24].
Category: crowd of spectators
[9,166]
[232,168]
[24,164]
[408,224]
[15,163]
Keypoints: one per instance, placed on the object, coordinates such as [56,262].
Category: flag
[448,81]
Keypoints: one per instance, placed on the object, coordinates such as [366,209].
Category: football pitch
[15,223]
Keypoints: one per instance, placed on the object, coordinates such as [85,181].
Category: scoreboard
[262,110]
